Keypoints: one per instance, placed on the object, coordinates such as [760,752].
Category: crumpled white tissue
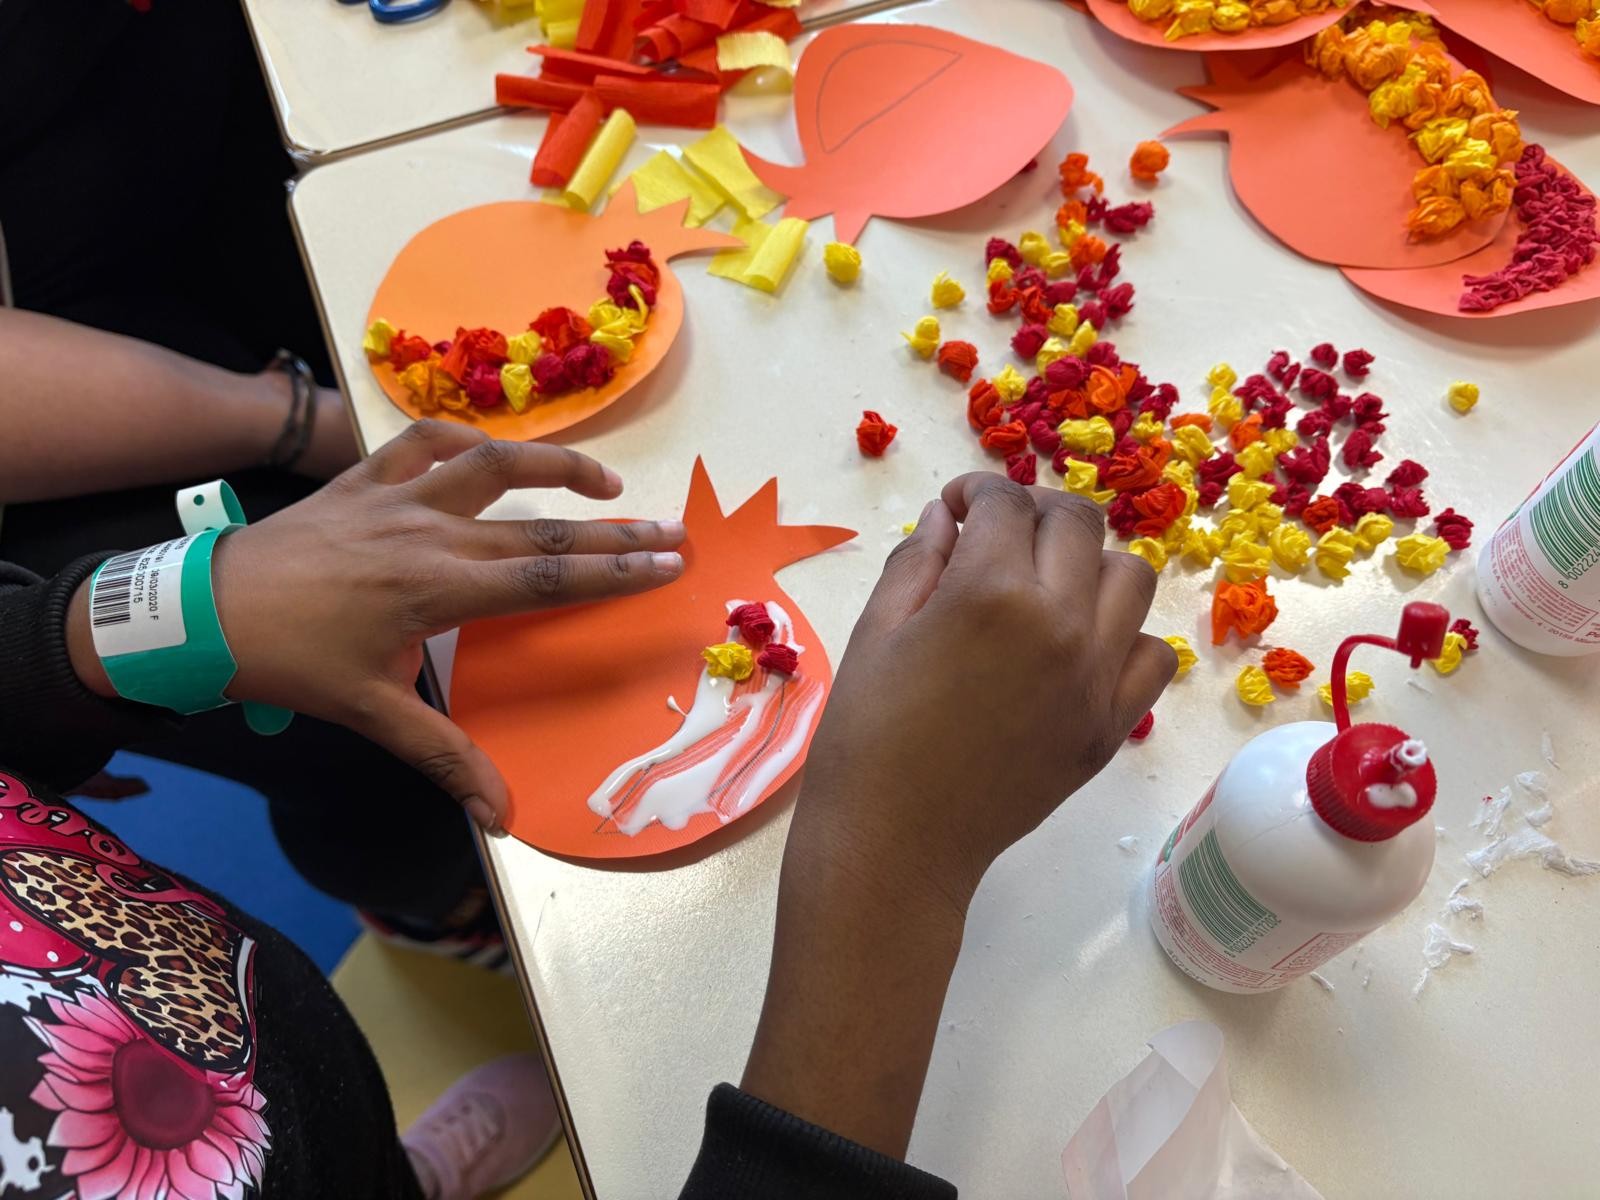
[1169,1130]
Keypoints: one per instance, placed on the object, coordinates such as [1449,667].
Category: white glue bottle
[1539,576]
[1310,838]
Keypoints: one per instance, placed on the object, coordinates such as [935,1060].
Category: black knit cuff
[753,1150]
[52,728]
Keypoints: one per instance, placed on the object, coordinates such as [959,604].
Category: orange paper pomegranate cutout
[560,700]
[501,265]
[1309,162]
[908,121]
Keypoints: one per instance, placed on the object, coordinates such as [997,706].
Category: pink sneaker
[489,1127]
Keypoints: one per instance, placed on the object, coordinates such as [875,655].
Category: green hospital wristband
[153,616]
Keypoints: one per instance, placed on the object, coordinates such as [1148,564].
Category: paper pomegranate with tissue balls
[1309,162]
[500,265]
[616,739]
[908,121]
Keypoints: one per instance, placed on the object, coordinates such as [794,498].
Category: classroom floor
[429,1020]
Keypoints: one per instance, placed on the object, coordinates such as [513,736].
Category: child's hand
[326,604]
[993,673]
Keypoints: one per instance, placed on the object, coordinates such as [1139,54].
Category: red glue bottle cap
[1373,780]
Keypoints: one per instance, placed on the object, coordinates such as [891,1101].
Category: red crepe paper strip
[780,658]
[565,141]
[1357,363]
[1558,239]
[754,623]
[1022,468]
[1467,630]
[874,434]
[1453,528]
[1324,355]
[1142,730]
[1408,474]
[958,359]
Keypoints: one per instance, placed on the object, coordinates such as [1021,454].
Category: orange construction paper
[501,265]
[1438,289]
[908,121]
[1523,36]
[559,699]
[1309,162]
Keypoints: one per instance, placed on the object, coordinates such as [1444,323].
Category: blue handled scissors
[393,12]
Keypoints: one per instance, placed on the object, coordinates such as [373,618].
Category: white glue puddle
[735,739]
[1437,949]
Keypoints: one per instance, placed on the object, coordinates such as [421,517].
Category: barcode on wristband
[136,600]
[113,592]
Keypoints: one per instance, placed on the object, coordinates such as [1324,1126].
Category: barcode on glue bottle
[1566,519]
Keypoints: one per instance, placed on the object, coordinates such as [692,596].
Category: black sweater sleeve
[753,1151]
[52,728]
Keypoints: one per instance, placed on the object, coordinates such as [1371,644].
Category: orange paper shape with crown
[1526,38]
[1309,162]
[908,121]
[563,701]
[1438,289]
[501,265]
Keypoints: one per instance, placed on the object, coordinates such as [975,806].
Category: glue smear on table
[735,739]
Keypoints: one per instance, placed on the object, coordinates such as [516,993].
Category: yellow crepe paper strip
[1186,655]
[1083,479]
[843,262]
[1254,687]
[729,660]
[946,292]
[768,254]
[1335,549]
[663,180]
[377,338]
[745,50]
[1088,435]
[559,19]
[1009,384]
[1152,551]
[1420,553]
[924,336]
[524,347]
[1063,320]
[1291,546]
[717,157]
[1357,687]
[1373,529]
[600,161]
[516,381]
[1463,396]
[1455,645]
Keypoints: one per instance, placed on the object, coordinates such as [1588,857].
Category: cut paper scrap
[1170,1128]
[1438,289]
[1522,35]
[562,699]
[663,180]
[501,265]
[600,161]
[1116,16]
[720,161]
[909,121]
[743,51]
[768,254]
[1309,162]
[660,61]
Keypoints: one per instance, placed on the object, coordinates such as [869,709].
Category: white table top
[341,80]
[648,980]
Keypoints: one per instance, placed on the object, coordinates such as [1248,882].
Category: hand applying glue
[1305,843]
